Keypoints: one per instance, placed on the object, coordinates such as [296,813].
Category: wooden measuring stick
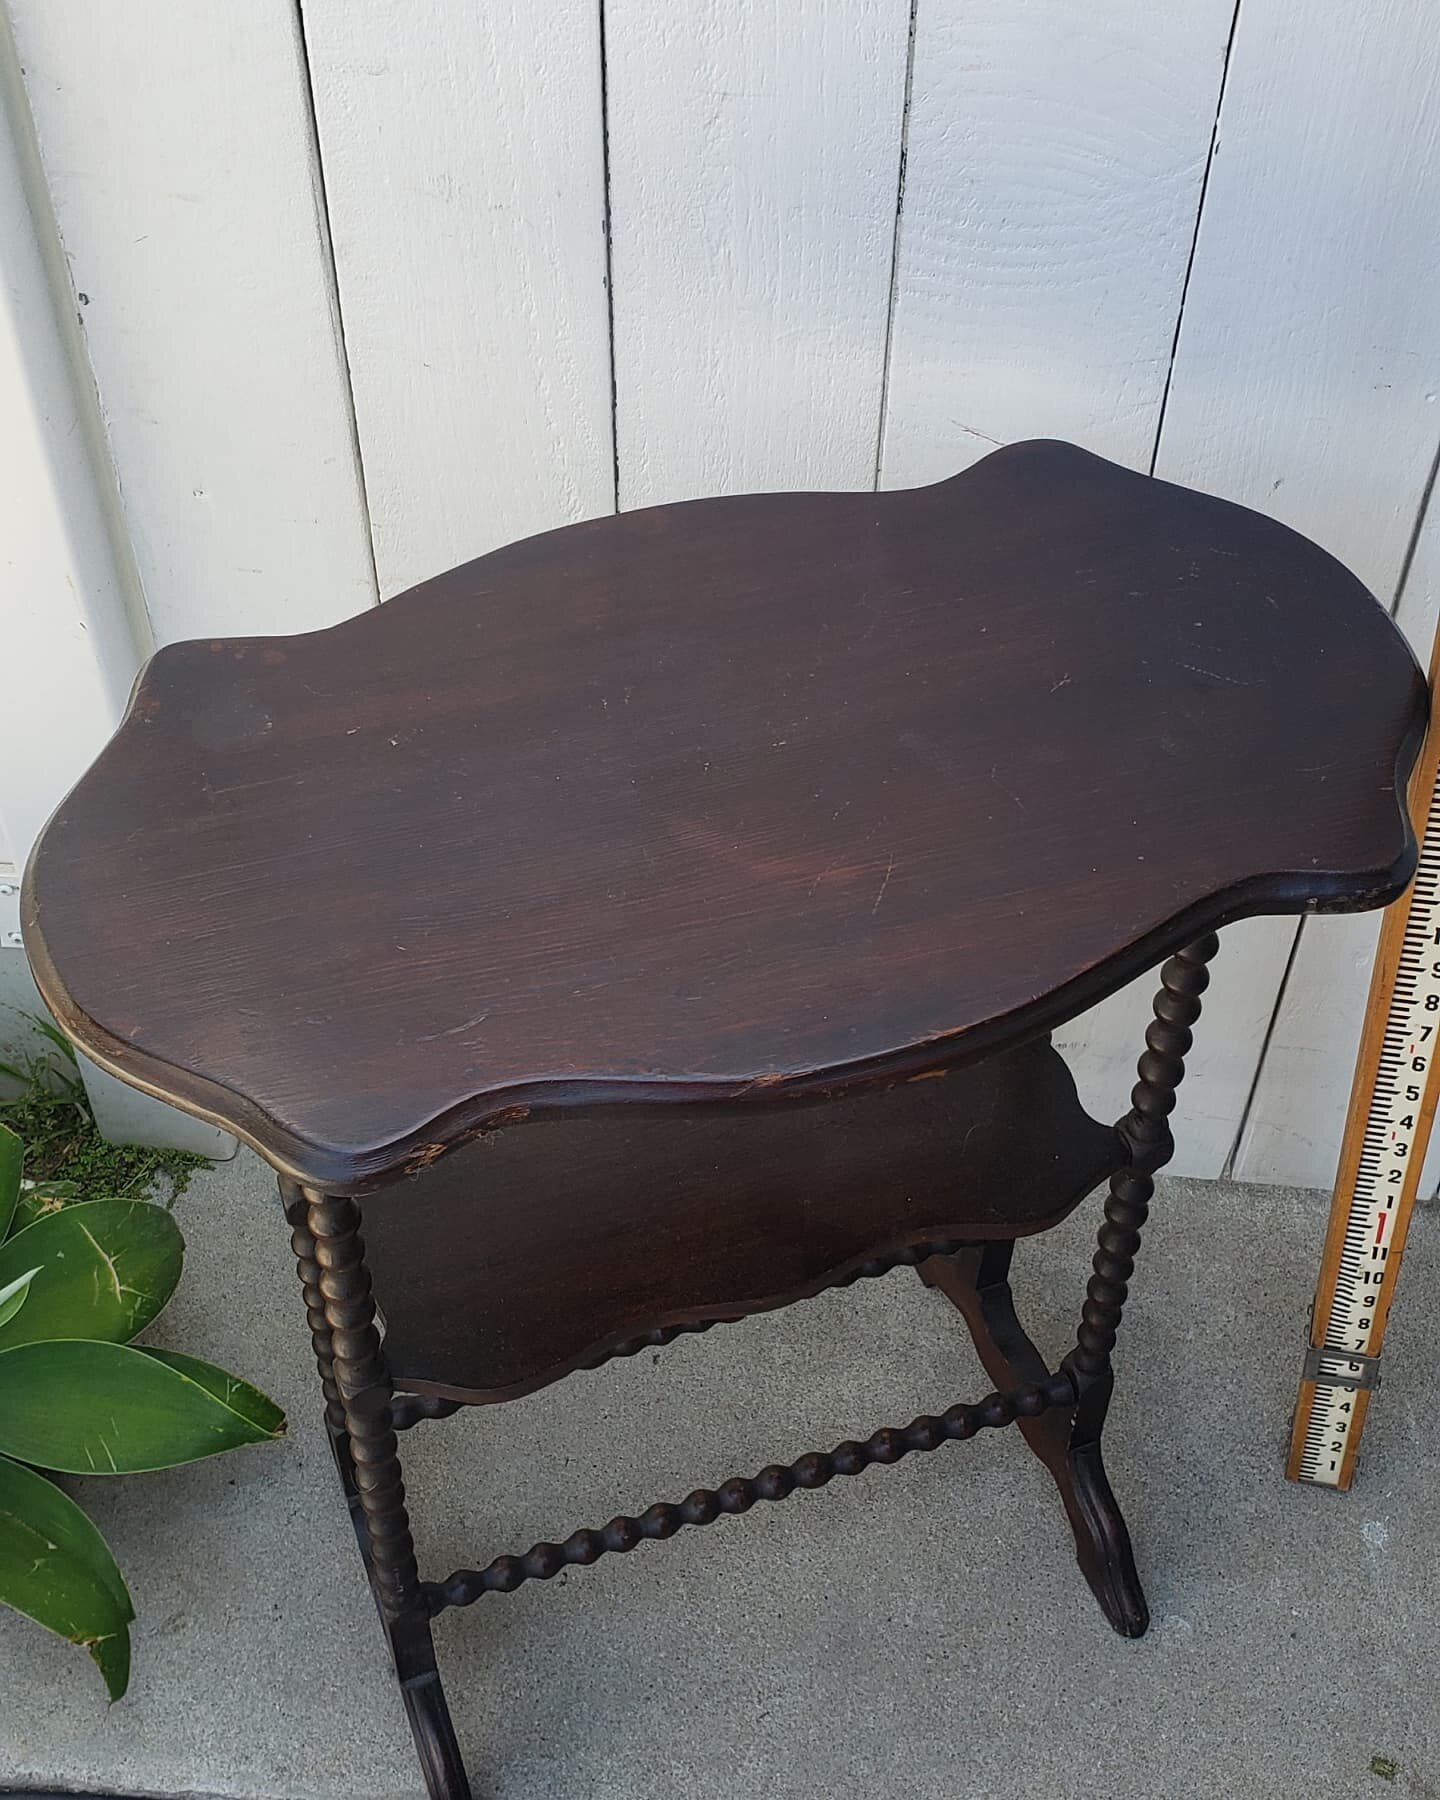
[1387,1131]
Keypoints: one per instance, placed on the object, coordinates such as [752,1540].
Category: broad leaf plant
[79,1279]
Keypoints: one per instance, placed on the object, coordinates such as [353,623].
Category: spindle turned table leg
[359,1415]
[1066,1440]
[978,1282]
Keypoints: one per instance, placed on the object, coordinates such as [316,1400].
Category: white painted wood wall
[354,289]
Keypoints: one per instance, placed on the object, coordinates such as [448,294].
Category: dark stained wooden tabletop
[717,800]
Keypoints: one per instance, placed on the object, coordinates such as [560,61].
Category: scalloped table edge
[361,1168]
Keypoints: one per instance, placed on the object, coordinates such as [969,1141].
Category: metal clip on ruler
[1387,1130]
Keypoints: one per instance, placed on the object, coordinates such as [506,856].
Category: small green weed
[51,1112]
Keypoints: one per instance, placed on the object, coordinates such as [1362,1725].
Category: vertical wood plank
[1056,155]
[1054,171]
[754,167]
[1305,382]
[1308,359]
[71,620]
[1297,1116]
[71,617]
[67,594]
[1102,1048]
[463,151]
[177,144]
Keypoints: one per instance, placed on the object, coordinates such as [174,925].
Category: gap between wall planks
[73,610]
[69,595]
[177,144]
[1055,163]
[1305,379]
[1304,320]
[1297,1119]
[464,169]
[754,169]
[1054,173]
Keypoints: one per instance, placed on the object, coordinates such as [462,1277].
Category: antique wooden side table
[664,919]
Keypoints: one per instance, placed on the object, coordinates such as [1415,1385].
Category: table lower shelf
[560,1241]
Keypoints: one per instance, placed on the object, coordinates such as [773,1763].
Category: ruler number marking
[1388,1148]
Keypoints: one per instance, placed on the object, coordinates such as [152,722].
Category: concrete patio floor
[919,1631]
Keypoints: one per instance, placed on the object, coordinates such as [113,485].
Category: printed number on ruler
[1391,1144]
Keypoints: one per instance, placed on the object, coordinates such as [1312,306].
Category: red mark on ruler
[1380,1227]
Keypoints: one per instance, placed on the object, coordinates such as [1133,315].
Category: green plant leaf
[111,1409]
[57,1569]
[256,1409]
[51,1112]
[106,1268]
[13,1294]
[52,1033]
[12,1157]
[38,1199]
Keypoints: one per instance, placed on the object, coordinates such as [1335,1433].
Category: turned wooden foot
[1066,1441]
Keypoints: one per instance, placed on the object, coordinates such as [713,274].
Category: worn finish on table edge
[1284,894]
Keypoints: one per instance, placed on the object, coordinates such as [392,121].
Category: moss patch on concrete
[50,1111]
